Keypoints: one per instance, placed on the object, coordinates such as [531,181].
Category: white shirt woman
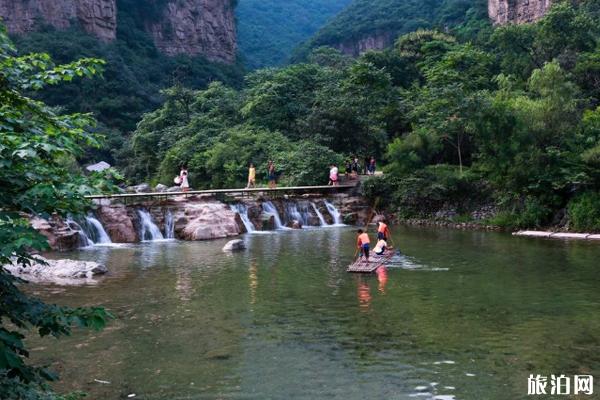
[183,177]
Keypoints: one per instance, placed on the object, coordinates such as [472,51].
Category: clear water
[464,315]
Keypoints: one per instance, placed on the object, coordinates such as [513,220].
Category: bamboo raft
[360,265]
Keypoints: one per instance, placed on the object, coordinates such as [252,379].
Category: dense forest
[509,118]
[269,30]
[363,18]
[134,76]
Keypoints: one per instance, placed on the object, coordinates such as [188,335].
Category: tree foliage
[35,141]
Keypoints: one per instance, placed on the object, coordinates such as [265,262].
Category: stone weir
[199,218]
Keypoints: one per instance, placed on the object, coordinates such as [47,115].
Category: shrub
[437,187]
[584,212]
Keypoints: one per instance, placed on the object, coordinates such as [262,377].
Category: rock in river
[61,272]
[235,245]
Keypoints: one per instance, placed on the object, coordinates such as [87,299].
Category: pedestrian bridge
[222,193]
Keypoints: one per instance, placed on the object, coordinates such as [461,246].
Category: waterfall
[148,229]
[321,218]
[292,214]
[270,209]
[242,210]
[304,211]
[337,217]
[169,225]
[94,231]
[84,240]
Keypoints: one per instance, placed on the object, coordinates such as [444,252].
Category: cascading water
[319,215]
[94,231]
[148,229]
[169,225]
[335,214]
[84,240]
[270,209]
[304,210]
[292,214]
[242,210]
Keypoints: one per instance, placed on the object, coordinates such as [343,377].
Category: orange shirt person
[383,232]
[363,244]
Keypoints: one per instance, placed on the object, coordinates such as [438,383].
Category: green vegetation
[584,212]
[268,30]
[391,18]
[134,75]
[37,145]
[508,119]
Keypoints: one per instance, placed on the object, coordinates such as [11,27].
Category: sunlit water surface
[462,315]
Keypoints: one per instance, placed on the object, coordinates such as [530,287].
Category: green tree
[34,143]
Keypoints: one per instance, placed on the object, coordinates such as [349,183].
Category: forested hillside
[135,73]
[510,120]
[268,30]
[384,20]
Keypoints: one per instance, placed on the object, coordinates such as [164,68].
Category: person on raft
[383,232]
[380,247]
[363,244]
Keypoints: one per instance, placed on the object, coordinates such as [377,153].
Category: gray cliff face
[192,27]
[97,17]
[376,41]
[504,12]
[205,27]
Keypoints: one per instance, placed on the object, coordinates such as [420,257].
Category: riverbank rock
[160,188]
[60,236]
[235,245]
[60,272]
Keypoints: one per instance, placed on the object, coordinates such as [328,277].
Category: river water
[464,315]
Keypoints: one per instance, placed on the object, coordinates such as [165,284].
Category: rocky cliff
[193,27]
[376,41]
[504,12]
[97,17]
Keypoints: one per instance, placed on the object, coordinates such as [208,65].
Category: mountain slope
[374,24]
[268,30]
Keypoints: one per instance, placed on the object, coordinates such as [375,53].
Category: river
[465,315]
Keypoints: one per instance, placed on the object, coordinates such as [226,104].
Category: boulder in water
[60,272]
[295,224]
[267,222]
[204,221]
[117,223]
[173,189]
[235,245]
[161,188]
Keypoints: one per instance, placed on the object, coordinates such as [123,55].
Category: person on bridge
[363,244]
[383,231]
[251,176]
[371,167]
[334,175]
[183,178]
[355,168]
[272,175]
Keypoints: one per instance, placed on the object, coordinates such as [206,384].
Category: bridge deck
[281,190]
